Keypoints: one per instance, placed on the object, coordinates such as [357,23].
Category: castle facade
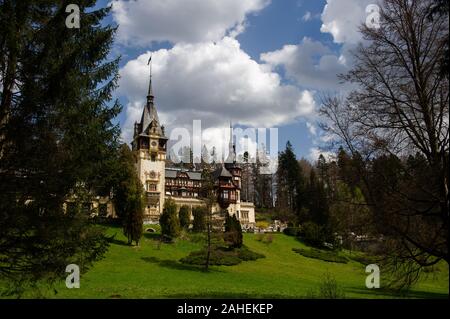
[183,186]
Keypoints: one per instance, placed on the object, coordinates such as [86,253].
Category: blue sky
[257,63]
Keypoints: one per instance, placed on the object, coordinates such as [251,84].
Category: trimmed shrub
[246,254]
[322,255]
[184,216]
[363,259]
[199,223]
[217,258]
[221,256]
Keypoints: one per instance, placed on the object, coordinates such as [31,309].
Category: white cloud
[311,128]
[342,19]
[143,21]
[307,16]
[314,153]
[310,63]
[213,82]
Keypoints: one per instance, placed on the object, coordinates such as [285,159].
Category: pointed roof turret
[149,120]
[150,95]
[231,148]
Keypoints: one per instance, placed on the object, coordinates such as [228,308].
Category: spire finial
[231,133]
[231,145]
[150,95]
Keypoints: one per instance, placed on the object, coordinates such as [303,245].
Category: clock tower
[149,145]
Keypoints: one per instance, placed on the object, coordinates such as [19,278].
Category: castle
[183,186]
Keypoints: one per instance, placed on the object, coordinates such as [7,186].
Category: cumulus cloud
[213,82]
[310,63]
[143,21]
[342,19]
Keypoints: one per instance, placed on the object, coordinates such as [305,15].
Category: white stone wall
[145,167]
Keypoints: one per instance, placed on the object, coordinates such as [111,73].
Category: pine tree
[290,184]
[199,222]
[233,231]
[128,196]
[57,141]
[170,224]
[184,216]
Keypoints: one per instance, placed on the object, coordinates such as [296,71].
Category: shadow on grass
[230,295]
[152,236]
[112,240]
[399,294]
[172,264]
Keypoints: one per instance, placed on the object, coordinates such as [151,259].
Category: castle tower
[149,145]
[236,173]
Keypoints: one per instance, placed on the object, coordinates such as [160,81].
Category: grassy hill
[151,272]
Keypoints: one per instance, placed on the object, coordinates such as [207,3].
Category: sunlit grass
[154,271]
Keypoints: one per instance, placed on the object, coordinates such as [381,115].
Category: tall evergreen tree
[233,231]
[199,222]
[57,141]
[170,224]
[184,216]
[128,196]
[290,182]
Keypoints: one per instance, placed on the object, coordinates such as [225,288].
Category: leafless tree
[400,107]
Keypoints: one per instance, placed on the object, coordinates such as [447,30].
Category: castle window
[153,158]
[150,187]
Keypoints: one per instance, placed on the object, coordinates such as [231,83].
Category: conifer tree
[184,216]
[57,140]
[170,224]
[128,196]
[199,222]
[233,231]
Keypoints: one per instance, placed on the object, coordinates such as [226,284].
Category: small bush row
[322,255]
[221,256]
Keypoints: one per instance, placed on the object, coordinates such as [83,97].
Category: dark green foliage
[233,231]
[57,140]
[246,254]
[292,231]
[217,257]
[170,225]
[313,234]
[290,183]
[199,222]
[364,258]
[318,207]
[321,254]
[184,216]
[221,256]
[128,196]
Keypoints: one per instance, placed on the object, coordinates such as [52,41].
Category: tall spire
[231,147]
[230,144]
[150,95]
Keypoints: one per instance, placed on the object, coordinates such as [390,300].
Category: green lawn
[149,272]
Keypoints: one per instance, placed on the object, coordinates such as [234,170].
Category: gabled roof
[173,173]
[195,175]
[222,172]
[150,120]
